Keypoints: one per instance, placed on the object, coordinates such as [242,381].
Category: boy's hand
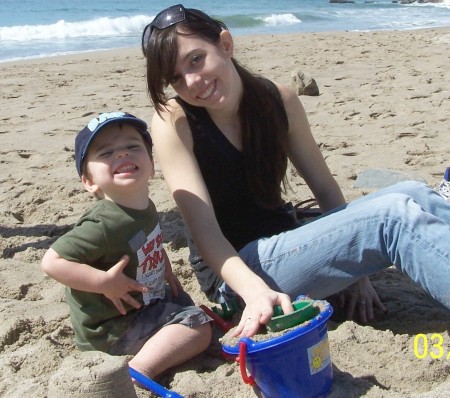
[117,286]
[174,284]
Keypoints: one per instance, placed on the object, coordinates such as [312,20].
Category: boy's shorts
[151,318]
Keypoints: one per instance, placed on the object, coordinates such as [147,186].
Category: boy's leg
[165,334]
[171,346]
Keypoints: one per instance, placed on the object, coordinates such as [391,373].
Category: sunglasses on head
[168,17]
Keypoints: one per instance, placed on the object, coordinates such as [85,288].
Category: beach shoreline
[241,37]
[37,28]
[384,103]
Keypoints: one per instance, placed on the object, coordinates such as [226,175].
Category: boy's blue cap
[86,136]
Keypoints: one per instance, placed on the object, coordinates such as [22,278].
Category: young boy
[113,261]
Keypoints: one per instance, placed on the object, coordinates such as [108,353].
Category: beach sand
[383,103]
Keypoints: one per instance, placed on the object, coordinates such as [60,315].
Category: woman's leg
[430,201]
[407,225]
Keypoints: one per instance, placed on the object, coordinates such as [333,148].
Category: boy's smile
[128,168]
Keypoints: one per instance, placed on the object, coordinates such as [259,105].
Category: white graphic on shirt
[151,266]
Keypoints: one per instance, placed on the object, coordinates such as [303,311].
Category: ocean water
[43,28]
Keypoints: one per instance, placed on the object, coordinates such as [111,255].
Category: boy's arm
[113,284]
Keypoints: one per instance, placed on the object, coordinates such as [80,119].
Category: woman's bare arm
[174,151]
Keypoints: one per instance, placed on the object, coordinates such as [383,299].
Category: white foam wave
[442,4]
[280,19]
[99,27]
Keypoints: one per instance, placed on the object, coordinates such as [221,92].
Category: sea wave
[281,19]
[98,27]
[243,21]
[124,26]
[442,4]
[105,24]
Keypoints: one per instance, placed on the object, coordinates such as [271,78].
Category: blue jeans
[407,224]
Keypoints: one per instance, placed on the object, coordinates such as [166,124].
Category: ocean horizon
[45,28]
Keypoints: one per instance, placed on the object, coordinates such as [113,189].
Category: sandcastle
[92,374]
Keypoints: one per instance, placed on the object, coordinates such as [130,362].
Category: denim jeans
[406,225]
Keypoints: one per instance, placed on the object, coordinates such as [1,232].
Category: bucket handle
[242,353]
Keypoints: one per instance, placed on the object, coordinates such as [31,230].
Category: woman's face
[204,74]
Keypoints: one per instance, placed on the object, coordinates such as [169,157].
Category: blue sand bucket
[296,364]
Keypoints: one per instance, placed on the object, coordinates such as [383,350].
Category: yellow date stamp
[433,346]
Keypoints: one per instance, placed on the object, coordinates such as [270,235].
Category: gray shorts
[151,318]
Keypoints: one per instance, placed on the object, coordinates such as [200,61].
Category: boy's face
[117,163]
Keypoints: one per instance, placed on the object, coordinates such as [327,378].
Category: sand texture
[384,103]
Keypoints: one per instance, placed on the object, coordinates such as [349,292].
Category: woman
[223,144]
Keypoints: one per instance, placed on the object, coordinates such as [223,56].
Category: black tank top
[239,216]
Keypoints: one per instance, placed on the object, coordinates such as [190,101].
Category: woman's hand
[259,310]
[358,301]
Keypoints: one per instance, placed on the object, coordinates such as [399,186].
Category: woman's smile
[207,91]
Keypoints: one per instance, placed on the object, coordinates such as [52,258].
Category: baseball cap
[85,137]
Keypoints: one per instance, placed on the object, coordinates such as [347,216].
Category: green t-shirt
[100,238]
